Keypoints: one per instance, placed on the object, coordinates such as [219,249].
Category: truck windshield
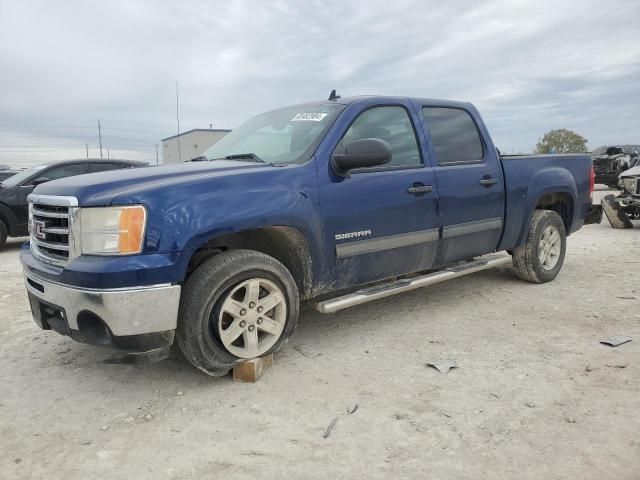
[288,135]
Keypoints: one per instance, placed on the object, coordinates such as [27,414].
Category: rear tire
[615,214]
[4,233]
[238,305]
[540,259]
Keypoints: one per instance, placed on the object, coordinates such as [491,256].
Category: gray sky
[528,66]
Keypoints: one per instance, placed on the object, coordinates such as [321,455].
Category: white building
[191,144]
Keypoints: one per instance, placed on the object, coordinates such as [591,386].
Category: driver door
[381,222]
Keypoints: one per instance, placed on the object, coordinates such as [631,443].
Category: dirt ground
[535,395]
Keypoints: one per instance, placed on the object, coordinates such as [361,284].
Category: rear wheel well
[561,203]
[285,244]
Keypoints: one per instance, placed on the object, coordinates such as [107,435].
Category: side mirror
[368,152]
[39,180]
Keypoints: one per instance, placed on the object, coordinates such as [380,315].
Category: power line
[72,127]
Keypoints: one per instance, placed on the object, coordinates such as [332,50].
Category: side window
[103,167]
[391,124]
[454,134]
[64,171]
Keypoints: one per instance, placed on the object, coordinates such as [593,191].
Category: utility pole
[108,153]
[178,119]
[100,137]
[86,145]
[156,154]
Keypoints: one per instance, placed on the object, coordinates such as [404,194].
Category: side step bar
[404,285]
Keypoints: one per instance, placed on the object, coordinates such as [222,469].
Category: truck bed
[530,177]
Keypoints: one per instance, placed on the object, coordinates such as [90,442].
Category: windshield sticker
[309,117]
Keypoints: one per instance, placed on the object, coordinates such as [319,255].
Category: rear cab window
[454,136]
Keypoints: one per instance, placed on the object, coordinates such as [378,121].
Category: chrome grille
[51,227]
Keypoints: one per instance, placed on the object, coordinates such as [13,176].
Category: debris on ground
[443,366]
[617,365]
[615,340]
[307,350]
[330,427]
[351,411]
[570,420]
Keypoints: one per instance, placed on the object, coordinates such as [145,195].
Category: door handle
[419,189]
[488,181]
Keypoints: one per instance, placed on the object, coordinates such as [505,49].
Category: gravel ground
[535,395]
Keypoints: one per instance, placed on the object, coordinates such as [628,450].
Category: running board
[404,285]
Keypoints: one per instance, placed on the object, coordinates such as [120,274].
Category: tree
[561,141]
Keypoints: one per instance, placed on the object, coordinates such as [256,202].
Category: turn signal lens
[132,220]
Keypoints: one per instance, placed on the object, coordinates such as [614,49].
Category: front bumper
[138,318]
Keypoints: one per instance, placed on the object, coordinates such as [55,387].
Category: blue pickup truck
[336,203]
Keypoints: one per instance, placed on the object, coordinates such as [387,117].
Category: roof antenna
[333,96]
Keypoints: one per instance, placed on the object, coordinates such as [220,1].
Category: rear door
[470,183]
[380,222]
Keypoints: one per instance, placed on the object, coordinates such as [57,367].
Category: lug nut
[251,328]
[243,323]
[260,309]
[259,320]
[252,304]
[243,312]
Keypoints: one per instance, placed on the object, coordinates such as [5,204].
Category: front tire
[238,305]
[540,259]
[4,233]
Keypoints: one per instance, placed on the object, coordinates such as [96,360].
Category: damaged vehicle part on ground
[624,208]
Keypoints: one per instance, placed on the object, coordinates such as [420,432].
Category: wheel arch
[559,200]
[8,218]
[286,244]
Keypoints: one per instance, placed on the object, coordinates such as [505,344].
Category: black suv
[14,208]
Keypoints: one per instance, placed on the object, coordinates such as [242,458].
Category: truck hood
[99,189]
[632,172]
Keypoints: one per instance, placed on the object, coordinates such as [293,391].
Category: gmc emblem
[38,229]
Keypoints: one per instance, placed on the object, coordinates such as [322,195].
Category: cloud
[528,66]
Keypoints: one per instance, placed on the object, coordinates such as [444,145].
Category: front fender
[184,217]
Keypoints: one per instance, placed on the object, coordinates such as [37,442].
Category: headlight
[112,230]
[629,184]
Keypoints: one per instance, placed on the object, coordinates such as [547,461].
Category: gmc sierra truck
[336,203]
